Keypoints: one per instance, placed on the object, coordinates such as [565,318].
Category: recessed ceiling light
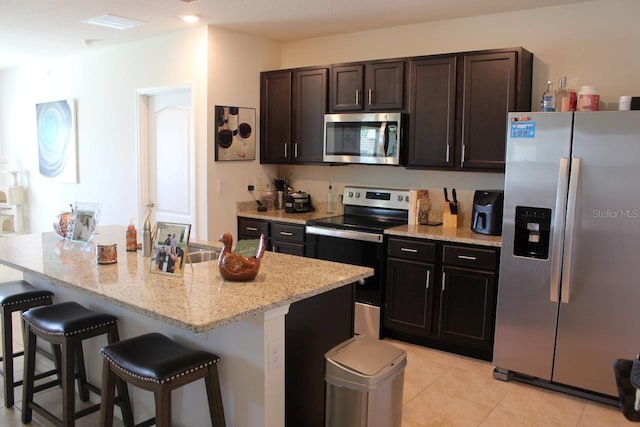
[89,42]
[190,19]
[113,21]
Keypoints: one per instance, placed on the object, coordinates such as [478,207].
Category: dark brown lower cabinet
[312,327]
[443,298]
[467,306]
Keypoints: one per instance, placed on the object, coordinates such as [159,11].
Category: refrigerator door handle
[558,228]
[571,216]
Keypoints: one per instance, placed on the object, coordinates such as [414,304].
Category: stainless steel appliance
[486,217]
[357,237]
[297,202]
[569,288]
[372,138]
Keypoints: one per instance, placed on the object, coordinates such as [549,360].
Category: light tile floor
[440,389]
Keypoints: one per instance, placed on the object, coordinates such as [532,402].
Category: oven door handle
[344,234]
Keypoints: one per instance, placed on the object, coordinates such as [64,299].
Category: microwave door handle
[383,139]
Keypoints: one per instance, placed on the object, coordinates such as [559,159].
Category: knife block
[450,220]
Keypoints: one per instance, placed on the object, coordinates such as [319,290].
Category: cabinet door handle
[286,233]
[428,277]
[470,258]
[370,96]
[464,149]
[447,156]
[413,251]
[295,150]
[286,151]
[251,228]
[443,280]
[357,97]
[274,248]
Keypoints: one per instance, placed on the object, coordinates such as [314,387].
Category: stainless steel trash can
[364,381]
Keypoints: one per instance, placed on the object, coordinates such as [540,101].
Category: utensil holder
[450,220]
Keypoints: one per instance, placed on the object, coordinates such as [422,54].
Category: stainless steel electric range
[357,237]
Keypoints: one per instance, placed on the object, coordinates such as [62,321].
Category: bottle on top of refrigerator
[549,98]
[566,99]
[588,98]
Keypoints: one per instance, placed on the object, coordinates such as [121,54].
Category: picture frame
[85,221]
[235,133]
[170,248]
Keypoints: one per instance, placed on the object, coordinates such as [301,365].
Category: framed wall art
[170,248]
[57,145]
[235,133]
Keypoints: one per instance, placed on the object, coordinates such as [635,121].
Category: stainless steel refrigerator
[569,284]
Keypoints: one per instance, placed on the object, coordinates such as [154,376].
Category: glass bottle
[565,98]
[549,98]
[331,204]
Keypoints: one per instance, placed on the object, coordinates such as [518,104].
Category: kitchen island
[244,323]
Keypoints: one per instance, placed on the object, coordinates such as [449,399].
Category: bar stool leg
[163,406]
[68,389]
[7,358]
[83,390]
[123,390]
[29,372]
[107,399]
[214,396]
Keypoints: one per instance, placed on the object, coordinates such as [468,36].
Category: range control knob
[400,198]
[406,199]
[350,193]
[357,194]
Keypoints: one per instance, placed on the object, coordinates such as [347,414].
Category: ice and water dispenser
[533,229]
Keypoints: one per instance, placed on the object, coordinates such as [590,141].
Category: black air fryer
[487,212]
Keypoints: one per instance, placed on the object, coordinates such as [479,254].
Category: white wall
[104,83]
[593,43]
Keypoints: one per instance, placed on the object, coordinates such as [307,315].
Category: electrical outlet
[276,355]
[250,187]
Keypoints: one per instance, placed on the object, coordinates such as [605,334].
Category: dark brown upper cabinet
[459,105]
[369,86]
[292,108]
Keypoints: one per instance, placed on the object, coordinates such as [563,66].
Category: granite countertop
[458,235]
[461,234]
[281,215]
[198,301]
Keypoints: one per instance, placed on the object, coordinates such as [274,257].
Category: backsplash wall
[315,181]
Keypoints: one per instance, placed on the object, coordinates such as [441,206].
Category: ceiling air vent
[113,21]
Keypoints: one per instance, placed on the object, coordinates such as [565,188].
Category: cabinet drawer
[287,233]
[412,249]
[249,228]
[486,259]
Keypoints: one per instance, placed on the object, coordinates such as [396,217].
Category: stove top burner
[357,222]
[369,209]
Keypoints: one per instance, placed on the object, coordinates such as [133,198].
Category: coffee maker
[487,212]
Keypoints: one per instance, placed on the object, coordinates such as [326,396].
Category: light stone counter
[198,301]
[457,235]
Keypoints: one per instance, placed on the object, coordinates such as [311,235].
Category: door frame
[142,145]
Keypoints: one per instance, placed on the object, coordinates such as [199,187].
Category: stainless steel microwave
[370,138]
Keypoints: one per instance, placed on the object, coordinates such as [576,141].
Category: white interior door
[167,178]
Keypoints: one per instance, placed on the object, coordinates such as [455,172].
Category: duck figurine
[237,267]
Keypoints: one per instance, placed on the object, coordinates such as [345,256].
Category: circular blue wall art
[55,136]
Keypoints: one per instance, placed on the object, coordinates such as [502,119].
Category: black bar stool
[66,325]
[156,363]
[17,295]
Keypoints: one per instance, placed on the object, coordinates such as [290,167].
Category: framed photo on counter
[170,248]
